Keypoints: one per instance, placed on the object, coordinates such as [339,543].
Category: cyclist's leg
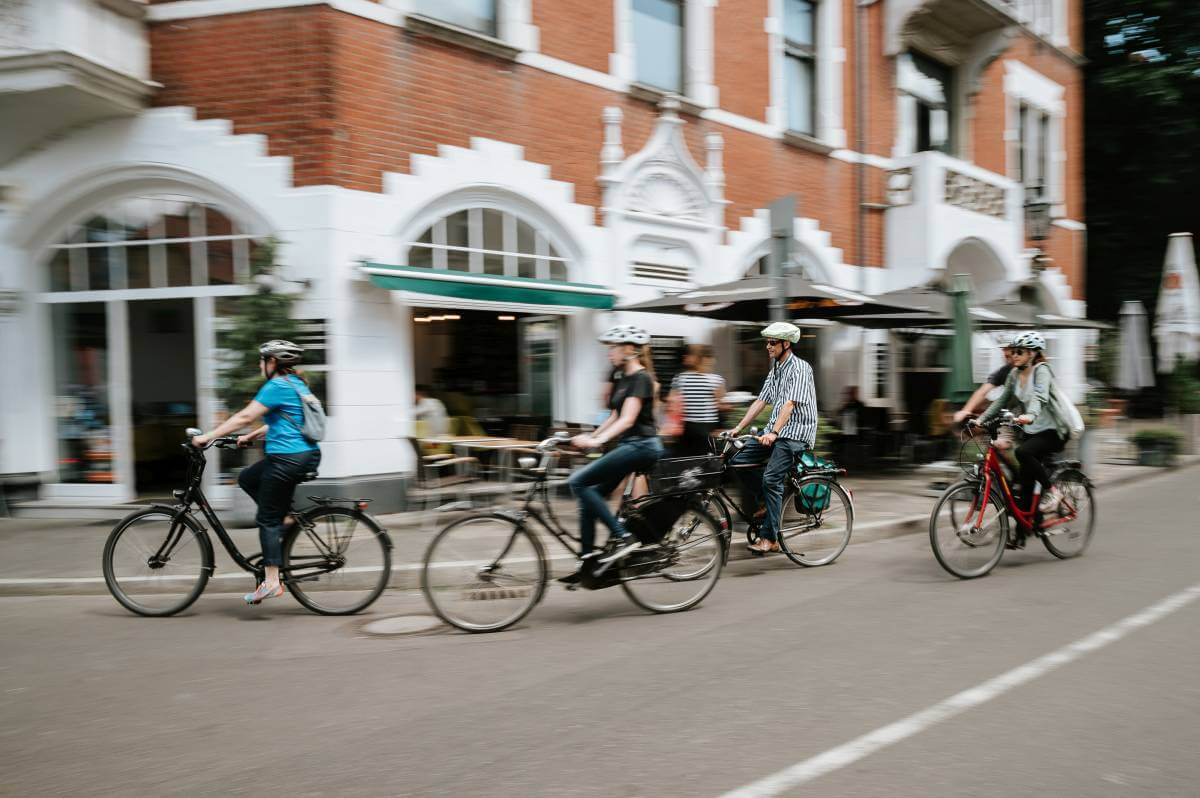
[1030,454]
[275,491]
[774,480]
[750,479]
[592,483]
[250,479]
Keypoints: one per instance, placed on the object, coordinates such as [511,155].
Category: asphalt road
[779,668]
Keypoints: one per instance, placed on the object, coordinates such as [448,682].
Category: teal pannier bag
[814,497]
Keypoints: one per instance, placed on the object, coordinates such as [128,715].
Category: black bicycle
[485,572]
[337,559]
[818,511]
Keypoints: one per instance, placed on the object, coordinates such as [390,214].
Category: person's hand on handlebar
[963,416]
[585,441]
[201,441]
[247,440]
[1023,420]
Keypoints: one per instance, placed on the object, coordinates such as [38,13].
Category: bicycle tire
[356,582]
[637,585]
[1057,544]
[989,540]
[820,528]
[463,566]
[151,583]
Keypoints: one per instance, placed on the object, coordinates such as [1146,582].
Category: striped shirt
[792,380]
[698,392]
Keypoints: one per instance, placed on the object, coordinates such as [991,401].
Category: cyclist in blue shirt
[272,481]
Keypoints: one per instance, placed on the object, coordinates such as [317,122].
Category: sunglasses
[1021,351]
[772,342]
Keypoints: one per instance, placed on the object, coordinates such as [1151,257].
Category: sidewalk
[63,557]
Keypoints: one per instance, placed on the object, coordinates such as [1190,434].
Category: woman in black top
[631,424]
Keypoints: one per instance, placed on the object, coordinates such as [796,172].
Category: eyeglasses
[1019,351]
[771,342]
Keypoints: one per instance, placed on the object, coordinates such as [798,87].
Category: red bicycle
[969,528]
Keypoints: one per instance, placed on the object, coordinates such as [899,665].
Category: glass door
[540,336]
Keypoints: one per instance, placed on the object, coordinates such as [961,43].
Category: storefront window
[157,241]
[488,241]
[85,445]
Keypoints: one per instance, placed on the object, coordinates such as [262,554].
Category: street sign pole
[783,211]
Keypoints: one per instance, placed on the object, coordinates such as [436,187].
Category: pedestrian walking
[698,393]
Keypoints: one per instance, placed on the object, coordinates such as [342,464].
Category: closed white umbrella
[1134,367]
[1177,322]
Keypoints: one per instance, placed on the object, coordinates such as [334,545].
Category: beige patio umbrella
[1177,319]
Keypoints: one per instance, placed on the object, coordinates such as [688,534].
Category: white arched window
[152,241]
[488,241]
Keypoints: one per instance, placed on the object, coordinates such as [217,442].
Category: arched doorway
[131,286]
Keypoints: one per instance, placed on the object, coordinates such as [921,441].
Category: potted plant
[1184,398]
[1157,446]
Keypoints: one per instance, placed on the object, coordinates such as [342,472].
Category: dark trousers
[272,482]
[768,489]
[1030,454]
[694,440]
[595,481]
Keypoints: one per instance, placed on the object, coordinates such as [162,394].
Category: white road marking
[867,744]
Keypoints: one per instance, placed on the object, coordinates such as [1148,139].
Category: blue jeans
[780,460]
[592,483]
[271,482]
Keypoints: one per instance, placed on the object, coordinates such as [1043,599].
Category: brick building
[469,186]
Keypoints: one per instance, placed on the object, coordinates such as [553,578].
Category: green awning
[488,287]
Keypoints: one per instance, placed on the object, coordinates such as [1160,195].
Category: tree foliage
[1142,134]
[258,317]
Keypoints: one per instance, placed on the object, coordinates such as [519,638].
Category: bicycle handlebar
[224,442]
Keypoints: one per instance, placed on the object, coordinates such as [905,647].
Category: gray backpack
[313,428]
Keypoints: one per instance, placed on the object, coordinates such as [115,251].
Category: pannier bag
[685,474]
[813,497]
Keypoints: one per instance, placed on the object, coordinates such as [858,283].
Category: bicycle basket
[971,454]
[685,474]
[653,517]
[813,497]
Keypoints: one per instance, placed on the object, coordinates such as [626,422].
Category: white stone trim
[566,69]
[191,9]
[1069,224]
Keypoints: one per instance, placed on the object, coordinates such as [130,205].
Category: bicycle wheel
[968,548]
[484,573]
[680,571]
[1078,517]
[157,562]
[816,533]
[337,561]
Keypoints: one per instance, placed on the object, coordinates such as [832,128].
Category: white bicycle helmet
[625,334]
[782,331]
[1029,340]
[285,353]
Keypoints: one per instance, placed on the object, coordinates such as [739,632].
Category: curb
[405,576]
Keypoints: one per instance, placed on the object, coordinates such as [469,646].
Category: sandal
[263,592]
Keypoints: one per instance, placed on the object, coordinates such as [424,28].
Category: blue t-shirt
[285,415]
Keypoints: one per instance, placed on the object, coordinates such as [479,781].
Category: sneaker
[576,575]
[1050,501]
[621,547]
